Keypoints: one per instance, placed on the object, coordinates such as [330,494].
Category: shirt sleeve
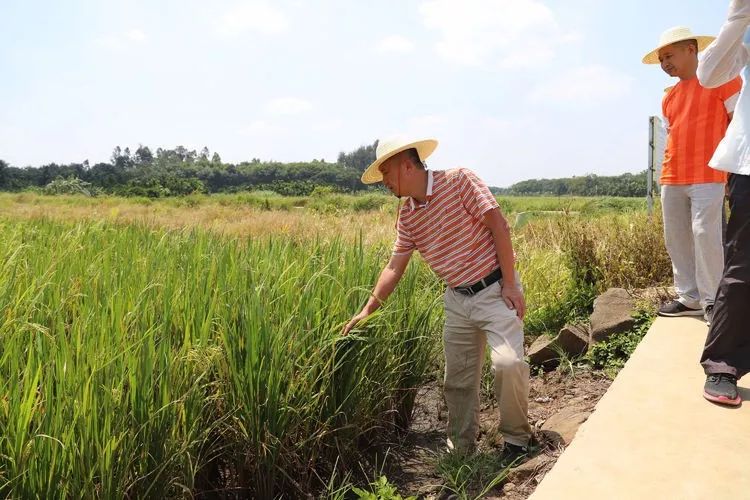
[475,195]
[729,93]
[404,244]
[726,56]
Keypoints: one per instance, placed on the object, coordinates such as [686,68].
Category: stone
[613,313]
[529,469]
[563,425]
[573,339]
[542,352]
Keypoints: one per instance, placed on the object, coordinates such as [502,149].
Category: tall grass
[148,364]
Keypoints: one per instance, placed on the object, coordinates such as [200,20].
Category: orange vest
[697,119]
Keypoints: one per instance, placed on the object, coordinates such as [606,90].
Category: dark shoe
[514,455]
[677,308]
[709,316]
[722,388]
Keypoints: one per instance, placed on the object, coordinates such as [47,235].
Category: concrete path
[653,436]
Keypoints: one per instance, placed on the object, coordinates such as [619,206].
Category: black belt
[480,285]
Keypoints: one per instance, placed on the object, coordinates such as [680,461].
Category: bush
[70,185]
[369,202]
[623,251]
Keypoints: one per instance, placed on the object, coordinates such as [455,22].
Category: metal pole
[650,171]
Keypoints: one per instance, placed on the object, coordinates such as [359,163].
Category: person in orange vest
[692,193]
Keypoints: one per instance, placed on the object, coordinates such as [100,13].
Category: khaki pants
[470,323]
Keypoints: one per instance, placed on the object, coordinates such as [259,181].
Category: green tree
[3,175]
[359,159]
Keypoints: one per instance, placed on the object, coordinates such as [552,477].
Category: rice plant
[145,363]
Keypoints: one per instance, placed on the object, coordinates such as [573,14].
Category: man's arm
[726,56]
[389,278]
[498,226]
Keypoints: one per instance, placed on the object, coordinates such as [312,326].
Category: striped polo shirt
[447,229]
[697,118]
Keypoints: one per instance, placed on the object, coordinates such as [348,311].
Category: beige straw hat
[674,35]
[389,147]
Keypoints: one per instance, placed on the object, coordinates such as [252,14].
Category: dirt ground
[412,465]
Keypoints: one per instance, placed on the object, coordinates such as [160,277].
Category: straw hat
[390,147]
[674,35]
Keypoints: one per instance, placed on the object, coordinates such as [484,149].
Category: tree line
[180,171]
[627,185]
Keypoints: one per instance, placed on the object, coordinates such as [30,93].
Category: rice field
[181,351]
[151,364]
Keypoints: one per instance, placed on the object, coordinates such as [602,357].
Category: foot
[677,308]
[722,388]
[709,315]
[514,455]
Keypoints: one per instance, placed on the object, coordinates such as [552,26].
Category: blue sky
[514,89]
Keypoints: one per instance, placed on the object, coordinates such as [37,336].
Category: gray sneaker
[722,388]
[677,308]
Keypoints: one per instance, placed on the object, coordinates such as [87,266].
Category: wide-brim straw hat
[390,147]
[674,35]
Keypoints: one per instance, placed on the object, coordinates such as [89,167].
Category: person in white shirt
[726,355]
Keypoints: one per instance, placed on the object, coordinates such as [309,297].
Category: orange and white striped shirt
[447,230]
[697,119]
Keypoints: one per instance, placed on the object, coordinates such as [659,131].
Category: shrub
[69,185]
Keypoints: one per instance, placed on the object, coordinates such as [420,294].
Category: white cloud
[110,42]
[504,33]
[427,124]
[258,16]
[395,43]
[136,35]
[288,106]
[327,125]
[121,41]
[261,127]
[584,84]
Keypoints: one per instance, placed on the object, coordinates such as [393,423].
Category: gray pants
[693,236]
[472,323]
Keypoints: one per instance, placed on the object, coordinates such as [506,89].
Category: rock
[612,314]
[563,425]
[542,352]
[573,339]
[529,469]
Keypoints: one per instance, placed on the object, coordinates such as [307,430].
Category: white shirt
[723,60]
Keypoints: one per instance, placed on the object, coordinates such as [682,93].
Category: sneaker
[514,455]
[722,388]
[677,308]
[709,315]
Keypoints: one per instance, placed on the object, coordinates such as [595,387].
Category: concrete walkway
[653,436]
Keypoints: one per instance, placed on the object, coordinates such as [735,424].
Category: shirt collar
[428,194]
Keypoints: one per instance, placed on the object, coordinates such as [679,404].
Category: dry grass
[229,220]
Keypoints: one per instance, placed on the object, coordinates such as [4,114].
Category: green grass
[141,362]
[610,355]
[471,476]
[153,364]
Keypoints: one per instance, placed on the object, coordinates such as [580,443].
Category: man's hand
[387,281]
[513,297]
[353,322]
